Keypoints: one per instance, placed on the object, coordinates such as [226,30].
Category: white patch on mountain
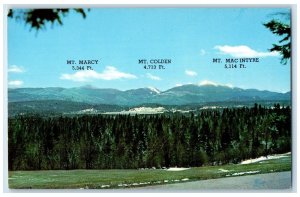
[229,85]
[154,89]
[207,82]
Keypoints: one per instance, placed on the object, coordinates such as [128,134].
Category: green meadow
[108,179]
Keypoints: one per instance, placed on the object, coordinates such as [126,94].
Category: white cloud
[202,52]
[153,77]
[243,51]
[178,84]
[15,69]
[190,73]
[109,73]
[15,83]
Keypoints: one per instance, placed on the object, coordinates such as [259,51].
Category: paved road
[273,181]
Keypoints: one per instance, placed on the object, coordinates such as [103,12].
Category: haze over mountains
[181,95]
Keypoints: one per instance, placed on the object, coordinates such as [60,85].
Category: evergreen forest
[198,138]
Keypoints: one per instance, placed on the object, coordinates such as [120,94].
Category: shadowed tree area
[205,137]
[39,18]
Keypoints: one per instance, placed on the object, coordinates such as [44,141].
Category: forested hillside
[207,137]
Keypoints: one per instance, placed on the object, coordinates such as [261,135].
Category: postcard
[150,98]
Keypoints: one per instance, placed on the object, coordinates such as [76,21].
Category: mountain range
[181,95]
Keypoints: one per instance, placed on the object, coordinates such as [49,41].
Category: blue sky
[119,37]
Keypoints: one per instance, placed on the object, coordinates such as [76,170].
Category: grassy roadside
[101,179]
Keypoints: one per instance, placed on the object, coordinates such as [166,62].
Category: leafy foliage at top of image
[281,29]
[39,18]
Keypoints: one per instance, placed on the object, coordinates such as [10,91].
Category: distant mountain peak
[154,89]
[207,82]
[88,87]
[211,83]
[204,92]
